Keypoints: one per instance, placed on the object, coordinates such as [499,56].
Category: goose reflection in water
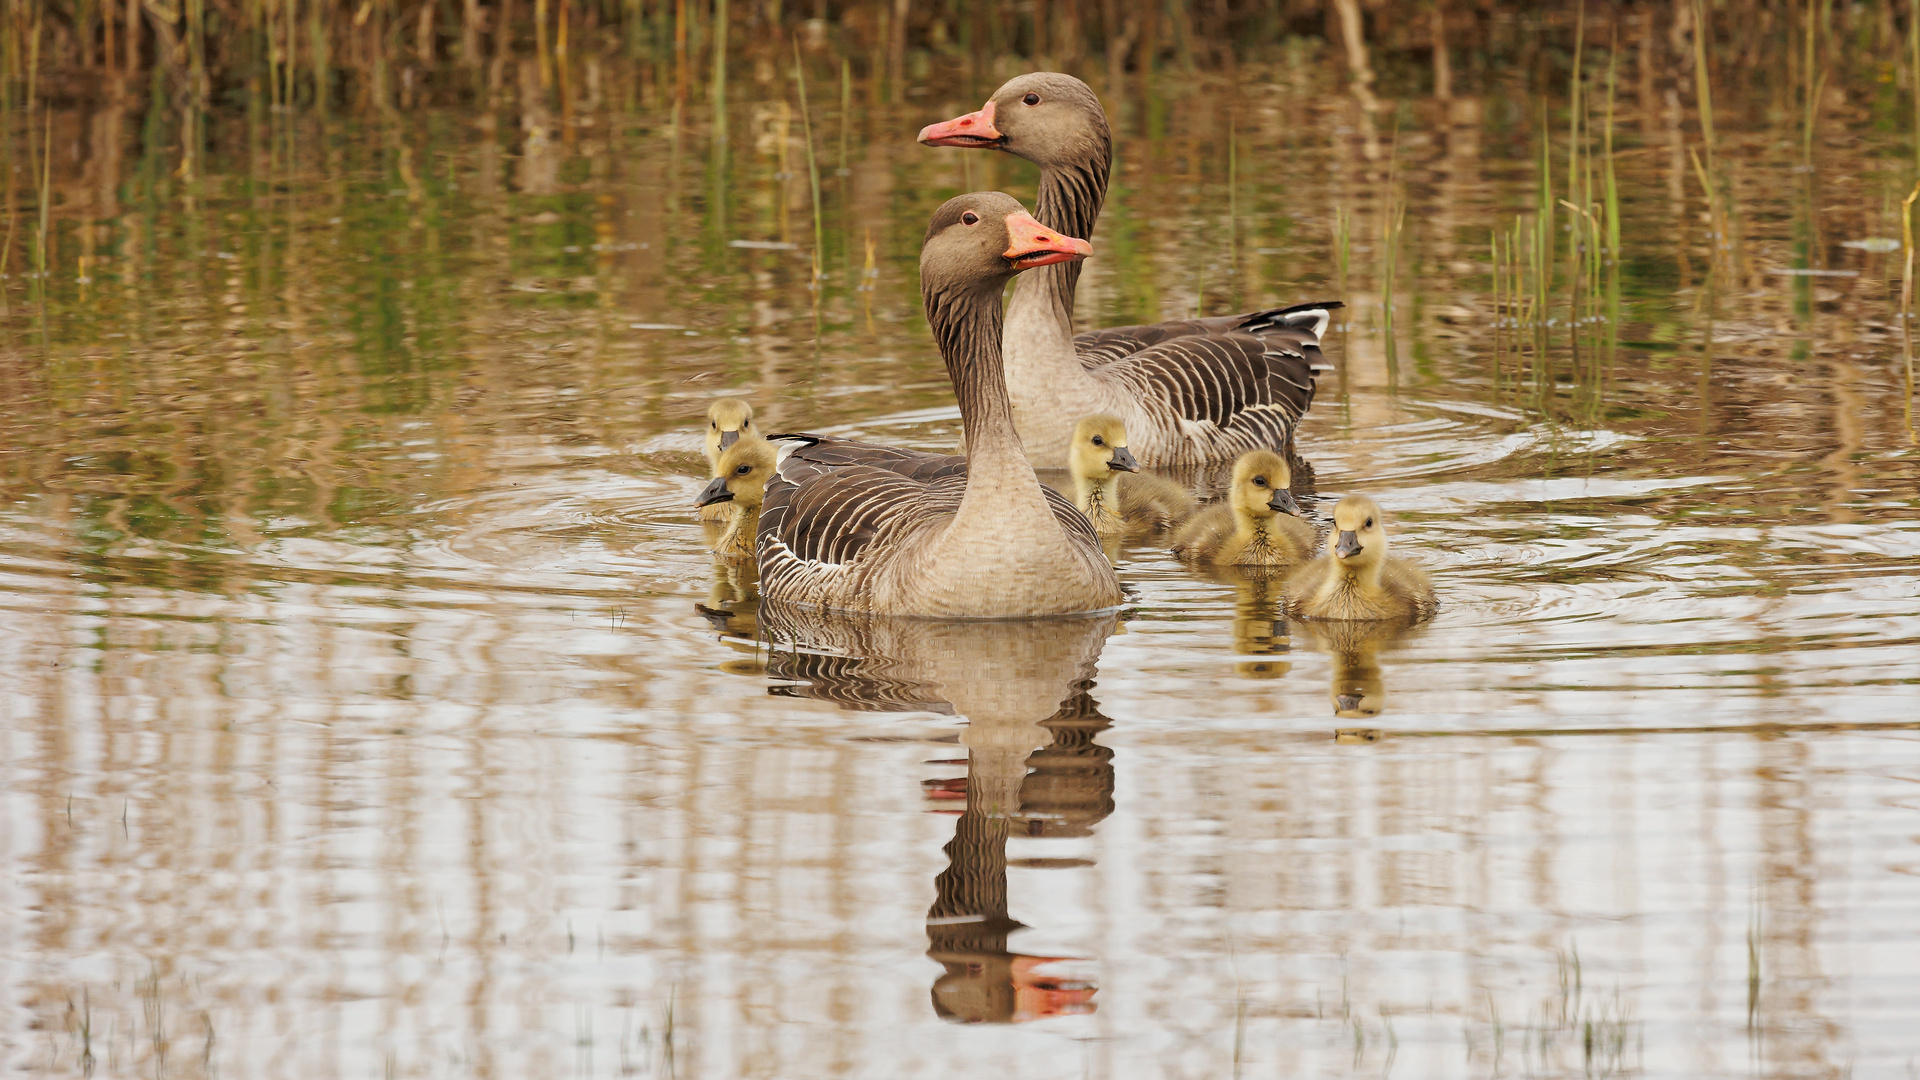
[1033,767]
[1357,689]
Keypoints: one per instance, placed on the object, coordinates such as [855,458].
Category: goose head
[728,421]
[1049,118]
[1260,482]
[1099,451]
[976,242]
[741,475]
[1359,533]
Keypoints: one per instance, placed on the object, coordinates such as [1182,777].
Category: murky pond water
[372,706]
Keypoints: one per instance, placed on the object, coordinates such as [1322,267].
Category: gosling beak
[1031,244]
[1282,502]
[728,438]
[1346,703]
[1123,460]
[715,491]
[974,131]
[1349,545]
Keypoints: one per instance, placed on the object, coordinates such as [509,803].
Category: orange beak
[972,130]
[1031,244]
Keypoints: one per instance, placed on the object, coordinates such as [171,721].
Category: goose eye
[1031,99]
[1259,481]
[1368,525]
[1098,441]
[970,218]
[743,470]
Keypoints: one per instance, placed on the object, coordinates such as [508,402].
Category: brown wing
[1252,374]
[825,450]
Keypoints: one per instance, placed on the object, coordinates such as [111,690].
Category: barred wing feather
[1232,381]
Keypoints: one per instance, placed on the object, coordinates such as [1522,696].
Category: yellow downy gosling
[1258,525]
[728,421]
[741,479]
[1141,502]
[1355,578]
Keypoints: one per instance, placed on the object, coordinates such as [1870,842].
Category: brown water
[374,709]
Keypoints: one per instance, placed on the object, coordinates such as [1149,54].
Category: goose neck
[968,326]
[1070,198]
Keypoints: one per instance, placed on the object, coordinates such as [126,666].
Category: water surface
[372,706]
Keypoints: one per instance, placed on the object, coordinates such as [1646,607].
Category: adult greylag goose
[728,420]
[740,476]
[1355,578]
[1110,489]
[1191,392]
[1258,525]
[992,543]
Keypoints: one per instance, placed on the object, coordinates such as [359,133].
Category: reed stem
[1395,219]
[1906,300]
[813,180]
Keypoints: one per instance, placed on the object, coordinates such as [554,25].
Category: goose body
[1191,392]
[1355,577]
[1110,489]
[1258,525]
[728,420]
[989,542]
[740,475]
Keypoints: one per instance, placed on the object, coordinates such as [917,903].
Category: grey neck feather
[1070,200]
[967,323]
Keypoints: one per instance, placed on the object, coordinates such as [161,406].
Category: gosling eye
[1031,99]
[1098,441]
[970,218]
[1368,525]
[743,470]
[716,425]
[1259,481]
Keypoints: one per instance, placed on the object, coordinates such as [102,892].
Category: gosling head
[1260,482]
[1100,449]
[728,421]
[741,475]
[1359,532]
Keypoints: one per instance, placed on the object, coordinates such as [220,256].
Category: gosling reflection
[1260,630]
[1357,688]
[732,608]
[1033,769]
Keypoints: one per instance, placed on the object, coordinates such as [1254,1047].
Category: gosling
[741,479]
[728,421]
[1144,502]
[1258,525]
[1355,578]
